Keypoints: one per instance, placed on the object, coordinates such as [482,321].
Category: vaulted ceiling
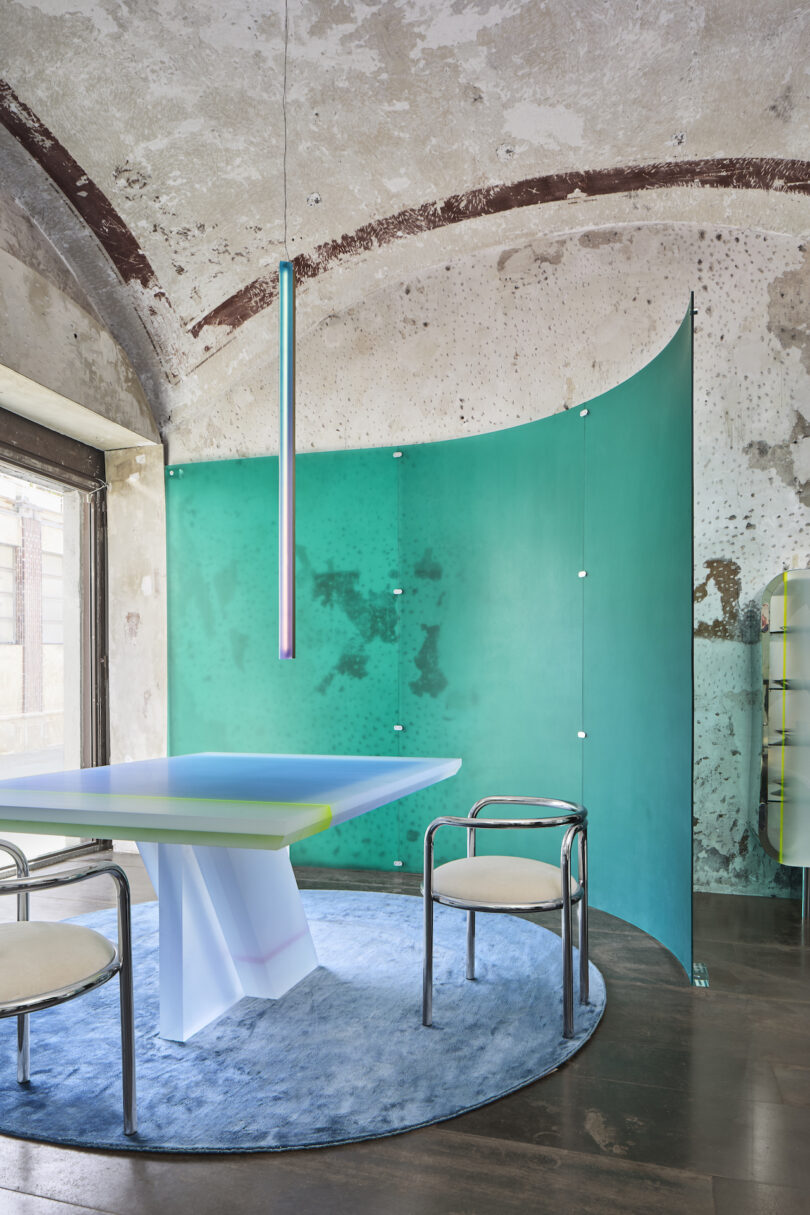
[146,141]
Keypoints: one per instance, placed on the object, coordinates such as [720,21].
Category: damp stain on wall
[789,459]
[428,567]
[239,644]
[432,681]
[353,665]
[372,614]
[789,308]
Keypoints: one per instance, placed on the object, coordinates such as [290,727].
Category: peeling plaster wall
[165,126]
[228,405]
[22,239]
[136,518]
[175,110]
[90,273]
[518,332]
[51,340]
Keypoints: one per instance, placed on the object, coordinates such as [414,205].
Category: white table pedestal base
[231,924]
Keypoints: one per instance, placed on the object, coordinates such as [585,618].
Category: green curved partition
[496,597]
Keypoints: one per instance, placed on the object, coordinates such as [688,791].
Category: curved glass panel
[521,599]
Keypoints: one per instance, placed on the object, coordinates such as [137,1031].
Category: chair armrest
[17,855]
[22,886]
[574,819]
[577,829]
[471,824]
[21,862]
[50,881]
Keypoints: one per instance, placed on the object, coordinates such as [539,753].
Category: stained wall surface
[177,114]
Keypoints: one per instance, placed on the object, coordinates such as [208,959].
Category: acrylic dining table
[214,832]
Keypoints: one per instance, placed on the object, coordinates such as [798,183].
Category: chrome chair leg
[470,944]
[127,1005]
[582,915]
[23,1050]
[567,952]
[427,964]
[427,967]
[128,1057]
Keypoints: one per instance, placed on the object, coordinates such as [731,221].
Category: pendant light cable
[286,447]
[284,116]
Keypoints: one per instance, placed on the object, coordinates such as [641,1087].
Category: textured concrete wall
[50,334]
[137,603]
[22,239]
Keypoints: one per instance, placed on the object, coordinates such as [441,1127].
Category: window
[53,709]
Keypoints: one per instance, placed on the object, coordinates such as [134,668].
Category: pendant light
[286,461]
[286,413]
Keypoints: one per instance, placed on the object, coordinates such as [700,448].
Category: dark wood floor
[685,1101]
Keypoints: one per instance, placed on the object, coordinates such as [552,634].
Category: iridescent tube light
[286,462]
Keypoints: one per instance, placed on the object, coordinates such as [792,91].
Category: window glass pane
[40,633]
[52,538]
[8,625]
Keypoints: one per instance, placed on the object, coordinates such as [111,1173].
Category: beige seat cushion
[499,879]
[38,958]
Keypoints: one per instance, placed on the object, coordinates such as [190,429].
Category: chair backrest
[572,814]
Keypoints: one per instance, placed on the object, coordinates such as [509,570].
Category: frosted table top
[239,801]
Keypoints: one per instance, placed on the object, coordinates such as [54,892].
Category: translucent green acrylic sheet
[228,691]
[496,650]
[490,533]
[638,647]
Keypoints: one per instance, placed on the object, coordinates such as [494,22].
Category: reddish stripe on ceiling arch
[739,173]
[132,264]
[84,195]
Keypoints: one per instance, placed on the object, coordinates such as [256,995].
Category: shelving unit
[784,802]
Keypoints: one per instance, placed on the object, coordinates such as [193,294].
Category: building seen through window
[40,627]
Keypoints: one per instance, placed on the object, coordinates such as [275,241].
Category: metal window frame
[27,447]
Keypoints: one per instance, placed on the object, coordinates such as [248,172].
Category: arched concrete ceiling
[147,142]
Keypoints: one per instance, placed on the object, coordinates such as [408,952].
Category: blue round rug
[342,1056]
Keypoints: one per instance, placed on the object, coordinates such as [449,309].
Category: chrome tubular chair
[512,884]
[43,964]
